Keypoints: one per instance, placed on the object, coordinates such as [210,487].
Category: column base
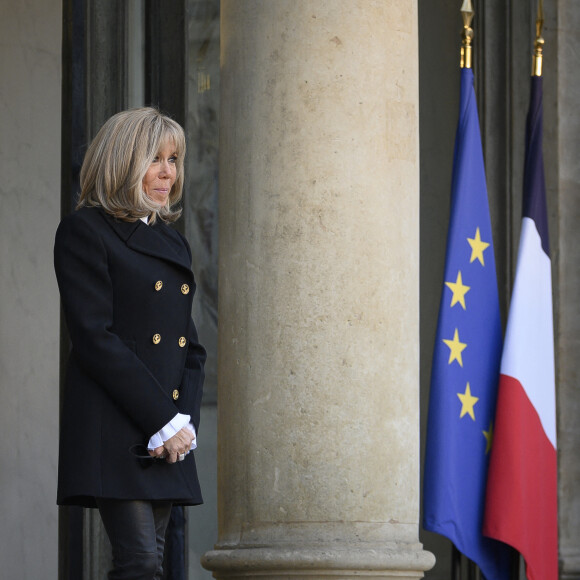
[569,567]
[391,561]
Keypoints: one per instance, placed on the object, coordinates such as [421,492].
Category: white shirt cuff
[174,426]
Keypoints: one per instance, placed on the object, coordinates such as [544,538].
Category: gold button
[158,285]
[185,289]
[182,342]
[175,394]
[156,338]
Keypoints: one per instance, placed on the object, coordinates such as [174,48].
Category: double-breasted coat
[135,362]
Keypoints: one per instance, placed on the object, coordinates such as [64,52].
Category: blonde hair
[118,159]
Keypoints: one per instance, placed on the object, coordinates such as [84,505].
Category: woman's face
[161,174]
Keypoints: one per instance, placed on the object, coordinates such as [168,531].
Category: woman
[134,380]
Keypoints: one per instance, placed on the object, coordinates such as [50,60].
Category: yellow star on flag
[477,247]
[467,402]
[459,291]
[488,438]
[456,348]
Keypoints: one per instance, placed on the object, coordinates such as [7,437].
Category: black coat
[127,290]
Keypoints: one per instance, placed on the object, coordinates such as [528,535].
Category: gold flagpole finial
[467,36]
[539,43]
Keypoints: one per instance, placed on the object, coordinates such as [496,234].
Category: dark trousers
[136,530]
[174,560]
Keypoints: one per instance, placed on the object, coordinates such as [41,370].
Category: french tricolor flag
[521,501]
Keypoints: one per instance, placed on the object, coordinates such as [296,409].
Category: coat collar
[158,240]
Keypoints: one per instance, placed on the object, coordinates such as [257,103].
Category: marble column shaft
[318,370]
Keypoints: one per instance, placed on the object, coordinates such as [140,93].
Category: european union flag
[466,360]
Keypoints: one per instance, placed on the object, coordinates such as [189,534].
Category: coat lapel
[158,240]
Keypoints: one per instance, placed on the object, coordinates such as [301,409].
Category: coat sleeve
[193,377]
[81,265]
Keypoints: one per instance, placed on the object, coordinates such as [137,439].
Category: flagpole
[465,62]
[539,43]
[467,36]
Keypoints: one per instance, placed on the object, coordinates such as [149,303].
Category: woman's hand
[179,444]
[158,452]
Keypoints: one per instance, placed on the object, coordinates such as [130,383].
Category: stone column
[561,143]
[318,370]
[30,163]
